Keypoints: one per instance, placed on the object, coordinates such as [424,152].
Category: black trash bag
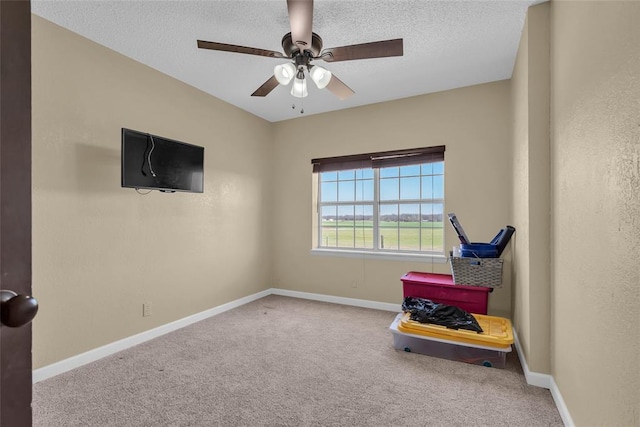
[426,311]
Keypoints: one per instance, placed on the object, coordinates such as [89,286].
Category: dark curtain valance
[383,159]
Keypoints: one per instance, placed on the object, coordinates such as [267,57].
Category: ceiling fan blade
[381,49]
[338,88]
[239,49]
[301,21]
[266,87]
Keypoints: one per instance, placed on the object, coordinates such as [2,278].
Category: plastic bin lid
[430,279]
[497,331]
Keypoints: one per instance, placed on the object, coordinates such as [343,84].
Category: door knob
[17,310]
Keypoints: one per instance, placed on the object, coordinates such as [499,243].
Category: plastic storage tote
[440,288]
[496,331]
[476,354]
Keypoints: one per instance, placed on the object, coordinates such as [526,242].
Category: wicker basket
[477,271]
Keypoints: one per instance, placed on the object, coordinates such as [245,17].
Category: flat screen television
[157,163]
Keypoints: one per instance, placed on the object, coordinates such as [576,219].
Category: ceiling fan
[302,46]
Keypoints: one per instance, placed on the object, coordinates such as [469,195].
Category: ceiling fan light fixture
[299,87]
[284,73]
[320,76]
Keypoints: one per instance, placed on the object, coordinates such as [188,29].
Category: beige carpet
[288,362]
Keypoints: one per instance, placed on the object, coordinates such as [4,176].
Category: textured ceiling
[447,44]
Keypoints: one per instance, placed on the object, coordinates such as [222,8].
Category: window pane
[389,189]
[438,187]
[427,169]
[345,237]
[438,168]
[328,237]
[328,214]
[389,172]
[389,238]
[409,188]
[364,173]
[432,239]
[345,226]
[364,237]
[364,215]
[438,212]
[427,187]
[388,213]
[345,215]
[409,215]
[364,190]
[432,227]
[328,176]
[388,227]
[345,175]
[364,226]
[409,227]
[328,229]
[346,191]
[329,192]
[432,212]
[409,239]
[410,170]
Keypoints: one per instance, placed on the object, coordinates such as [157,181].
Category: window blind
[382,159]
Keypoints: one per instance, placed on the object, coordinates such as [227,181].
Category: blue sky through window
[411,182]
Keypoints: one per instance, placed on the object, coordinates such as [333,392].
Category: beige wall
[474,125]
[530,93]
[100,251]
[595,154]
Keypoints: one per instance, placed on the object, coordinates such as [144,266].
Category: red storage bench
[440,288]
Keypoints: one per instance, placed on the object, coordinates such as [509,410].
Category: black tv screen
[157,163]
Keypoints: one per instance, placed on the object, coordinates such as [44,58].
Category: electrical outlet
[354,283]
[146,309]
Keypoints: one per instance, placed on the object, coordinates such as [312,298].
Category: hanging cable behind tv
[153,146]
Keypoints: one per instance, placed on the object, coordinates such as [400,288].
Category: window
[391,202]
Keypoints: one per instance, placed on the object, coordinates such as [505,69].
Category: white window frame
[437,256]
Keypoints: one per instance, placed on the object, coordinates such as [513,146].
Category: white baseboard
[533,378]
[65,365]
[385,306]
[562,407]
[545,381]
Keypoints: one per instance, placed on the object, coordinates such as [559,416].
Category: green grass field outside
[411,236]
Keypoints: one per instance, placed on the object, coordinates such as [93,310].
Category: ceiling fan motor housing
[292,50]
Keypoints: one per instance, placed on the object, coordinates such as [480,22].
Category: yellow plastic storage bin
[443,346]
[497,331]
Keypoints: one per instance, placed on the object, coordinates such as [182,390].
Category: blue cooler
[479,250]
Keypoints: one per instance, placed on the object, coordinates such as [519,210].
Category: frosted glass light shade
[299,88]
[320,76]
[284,73]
